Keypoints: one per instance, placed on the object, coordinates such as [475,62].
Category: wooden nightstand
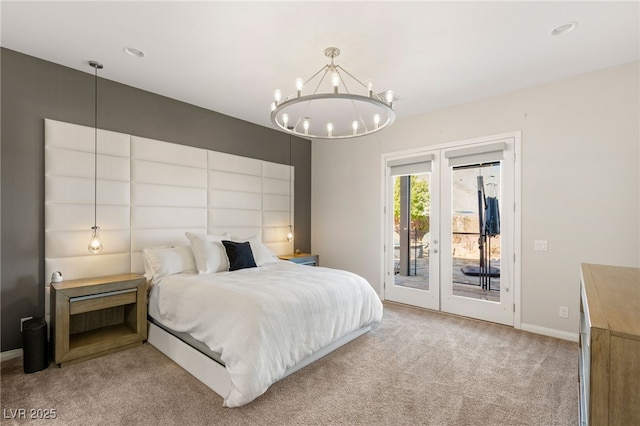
[96,316]
[302,258]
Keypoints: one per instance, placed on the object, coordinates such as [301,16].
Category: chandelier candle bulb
[376,120]
[370,88]
[329,129]
[285,119]
[355,127]
[390,97]
[277,95]
[305,125]
[299,85]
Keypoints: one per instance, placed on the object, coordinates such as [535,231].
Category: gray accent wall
[32,90]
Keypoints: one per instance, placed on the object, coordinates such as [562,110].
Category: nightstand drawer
[98,301]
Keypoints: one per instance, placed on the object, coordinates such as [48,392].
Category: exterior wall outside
[32,90]
[580,184]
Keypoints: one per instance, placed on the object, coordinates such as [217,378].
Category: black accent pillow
[239,254]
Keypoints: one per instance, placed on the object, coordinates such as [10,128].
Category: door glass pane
[412,215]
[476,231]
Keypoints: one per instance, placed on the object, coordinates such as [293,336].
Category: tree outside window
[420,205]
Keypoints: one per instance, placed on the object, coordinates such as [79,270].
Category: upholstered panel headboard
[168,195]
[69,198]
[149,194]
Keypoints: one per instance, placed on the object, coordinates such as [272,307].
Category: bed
[239,331]
[164,209]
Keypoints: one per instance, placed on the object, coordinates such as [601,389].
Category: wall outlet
[22,320]
[564,312]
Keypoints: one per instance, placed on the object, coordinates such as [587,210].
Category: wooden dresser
[609,345]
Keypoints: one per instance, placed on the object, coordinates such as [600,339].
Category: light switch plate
[540,245]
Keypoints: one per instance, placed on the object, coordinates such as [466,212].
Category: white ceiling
[230,56]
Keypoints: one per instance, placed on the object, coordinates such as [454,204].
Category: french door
[450,228]
[412,228]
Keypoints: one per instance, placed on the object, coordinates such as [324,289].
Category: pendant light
[95,244]
[290,233]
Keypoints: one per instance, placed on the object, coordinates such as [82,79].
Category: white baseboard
[552,332]
[7,355]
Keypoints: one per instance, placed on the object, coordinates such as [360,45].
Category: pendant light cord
[95,150]
[95,245]
[290,165]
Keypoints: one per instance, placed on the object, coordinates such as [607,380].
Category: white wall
[580,183]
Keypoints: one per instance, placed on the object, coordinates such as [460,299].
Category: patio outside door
[412,262]
[451,229]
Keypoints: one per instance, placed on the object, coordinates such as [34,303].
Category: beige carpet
[416,367]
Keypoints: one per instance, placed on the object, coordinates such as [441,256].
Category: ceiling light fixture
[564,29]
[132,51]
[95,244]
[331,110]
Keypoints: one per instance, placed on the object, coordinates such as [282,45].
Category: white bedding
[264,320]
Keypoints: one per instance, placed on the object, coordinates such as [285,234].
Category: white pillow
[209,252]
[261,254]
[160,262]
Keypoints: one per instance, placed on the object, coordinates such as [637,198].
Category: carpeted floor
[415,367]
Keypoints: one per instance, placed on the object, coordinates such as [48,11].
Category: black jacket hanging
[491,217]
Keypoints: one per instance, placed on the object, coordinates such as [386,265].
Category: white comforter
[264,320]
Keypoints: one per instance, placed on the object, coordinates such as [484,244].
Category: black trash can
[34,345]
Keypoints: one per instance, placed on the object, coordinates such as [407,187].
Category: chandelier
[337,107]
